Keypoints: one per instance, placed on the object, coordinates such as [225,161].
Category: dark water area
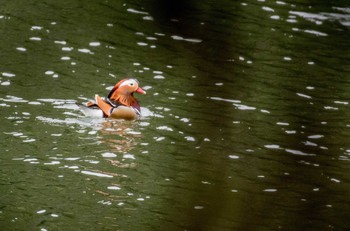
[245,122]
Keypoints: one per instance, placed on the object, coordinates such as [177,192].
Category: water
[245,121]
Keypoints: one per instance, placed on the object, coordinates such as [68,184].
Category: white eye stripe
[130,82]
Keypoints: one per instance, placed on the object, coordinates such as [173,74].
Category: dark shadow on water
[222,38]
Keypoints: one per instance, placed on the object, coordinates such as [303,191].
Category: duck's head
[123,91]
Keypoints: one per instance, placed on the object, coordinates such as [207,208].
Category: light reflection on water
[245,114]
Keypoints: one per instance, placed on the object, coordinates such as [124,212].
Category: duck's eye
[131,84]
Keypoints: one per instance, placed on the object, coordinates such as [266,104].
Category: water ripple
[299,153]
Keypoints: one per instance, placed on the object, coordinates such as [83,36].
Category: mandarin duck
[119,104]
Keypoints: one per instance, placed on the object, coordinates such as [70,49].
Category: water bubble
[159,138]
[265,8]
[190,138]
[270,190]
[148,18]
[52,163]
[335,180]
[233,157]
[49,72]
[341,102]
[159,77]
[36,28]
[21,49]
[85,50]
[113,187]
[61,42]
[129,156]
[109,154]
[142,44]
[7,74]
[315,136]
[94,44]
[304,96]
[35,39]
[151,38]
[65,58]
[272,146]
[96,174]
[265,111]
[131,10]
[166,128]
[5,83]
[67,48]
[282,123]
[275,17]
[41,211]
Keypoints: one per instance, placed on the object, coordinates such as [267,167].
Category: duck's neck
[125,99]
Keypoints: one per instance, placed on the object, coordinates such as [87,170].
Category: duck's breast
[123,112]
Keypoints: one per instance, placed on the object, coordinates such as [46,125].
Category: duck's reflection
[120,137]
